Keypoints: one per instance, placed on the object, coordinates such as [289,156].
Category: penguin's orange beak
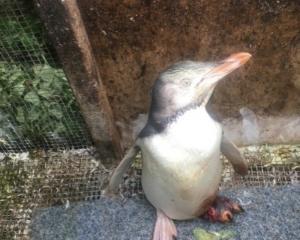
[226,66]
[231,63]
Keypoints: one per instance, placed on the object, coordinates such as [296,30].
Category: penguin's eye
[186,82]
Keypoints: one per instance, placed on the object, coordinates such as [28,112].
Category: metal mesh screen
[37,107]
[46,178]
[270,165]
[40,125]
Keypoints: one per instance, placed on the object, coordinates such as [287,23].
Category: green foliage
[34,98]
[21,36]
[202,234]
[34,95]
[16,37]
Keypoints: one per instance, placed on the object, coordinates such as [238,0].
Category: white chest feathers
[181,165]
[193,136]
[195,131]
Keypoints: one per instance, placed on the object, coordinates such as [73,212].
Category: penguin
[181,146]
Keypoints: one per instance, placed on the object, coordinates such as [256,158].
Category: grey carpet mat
[270,213]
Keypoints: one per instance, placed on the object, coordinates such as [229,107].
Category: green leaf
[18,73]
[57,84]
[202,234]
[56,112]
[20,115]
[4,99]
[227,234]
[45,72]
[44,93]
[36,82]
[19,88]
[3,66]
[37,69]
[32,97]
[33,115]
[59,129]
[45,85]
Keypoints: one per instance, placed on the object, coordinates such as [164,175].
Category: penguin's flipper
[123,166]
[234,156]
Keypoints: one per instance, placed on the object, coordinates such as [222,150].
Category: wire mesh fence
[44,178]
[37,106]
[41,125]
[36,179]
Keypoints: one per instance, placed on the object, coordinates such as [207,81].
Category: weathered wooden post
[63,21]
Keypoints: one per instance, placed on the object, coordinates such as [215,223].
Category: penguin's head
[189,83]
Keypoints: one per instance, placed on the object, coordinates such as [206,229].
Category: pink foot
[222,210]
[165,228]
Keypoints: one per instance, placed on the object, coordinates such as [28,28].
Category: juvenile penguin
[181,146]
